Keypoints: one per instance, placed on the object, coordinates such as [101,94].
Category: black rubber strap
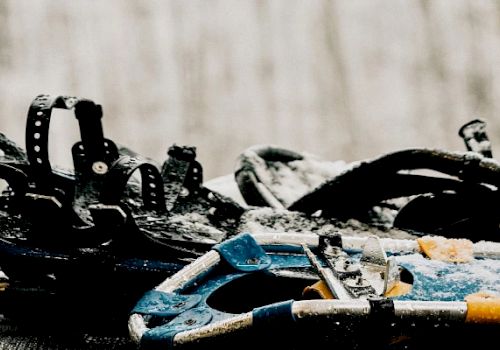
[181,171]
[153,194]
[376,180]
[93,145]
[474,135]
[381,309]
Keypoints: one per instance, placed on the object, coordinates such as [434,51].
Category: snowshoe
[295,291]
[456,192]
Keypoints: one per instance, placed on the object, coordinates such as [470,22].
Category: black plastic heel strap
[153,195]
[98,151]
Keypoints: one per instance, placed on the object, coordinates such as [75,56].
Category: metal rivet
[190,322]
[100,168]
[253,261]
[184,192]
[179,304]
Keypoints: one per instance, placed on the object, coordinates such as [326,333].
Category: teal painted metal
[156,303]
[272,315]
[433,281]
[243,253]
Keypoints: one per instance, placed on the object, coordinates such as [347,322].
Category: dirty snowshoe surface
[196,217]
[271,220]
[14,227]
[193,219]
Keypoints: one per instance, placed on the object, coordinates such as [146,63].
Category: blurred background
[342,79]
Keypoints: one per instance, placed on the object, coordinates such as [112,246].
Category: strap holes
[195,170]
[153,202]
[42,104]
[106,144]
[152,185]
[152,194]
[39,160]
[39,113]
[37,148]
[151,176]
[36,135]
[80,146]
[38,123]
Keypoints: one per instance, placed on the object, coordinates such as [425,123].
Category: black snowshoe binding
[454,194]
[91,231]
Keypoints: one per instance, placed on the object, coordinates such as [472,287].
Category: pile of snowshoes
[93,239]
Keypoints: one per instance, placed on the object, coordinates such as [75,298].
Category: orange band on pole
[483,308]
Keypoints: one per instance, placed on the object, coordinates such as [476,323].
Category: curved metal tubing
[452,311]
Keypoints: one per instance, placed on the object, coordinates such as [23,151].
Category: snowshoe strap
[182,174]
[474,135]
[373,181]
[93,154]
[118,176]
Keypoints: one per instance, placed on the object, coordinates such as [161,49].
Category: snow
[289,181]
[455,279]
[226,186]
